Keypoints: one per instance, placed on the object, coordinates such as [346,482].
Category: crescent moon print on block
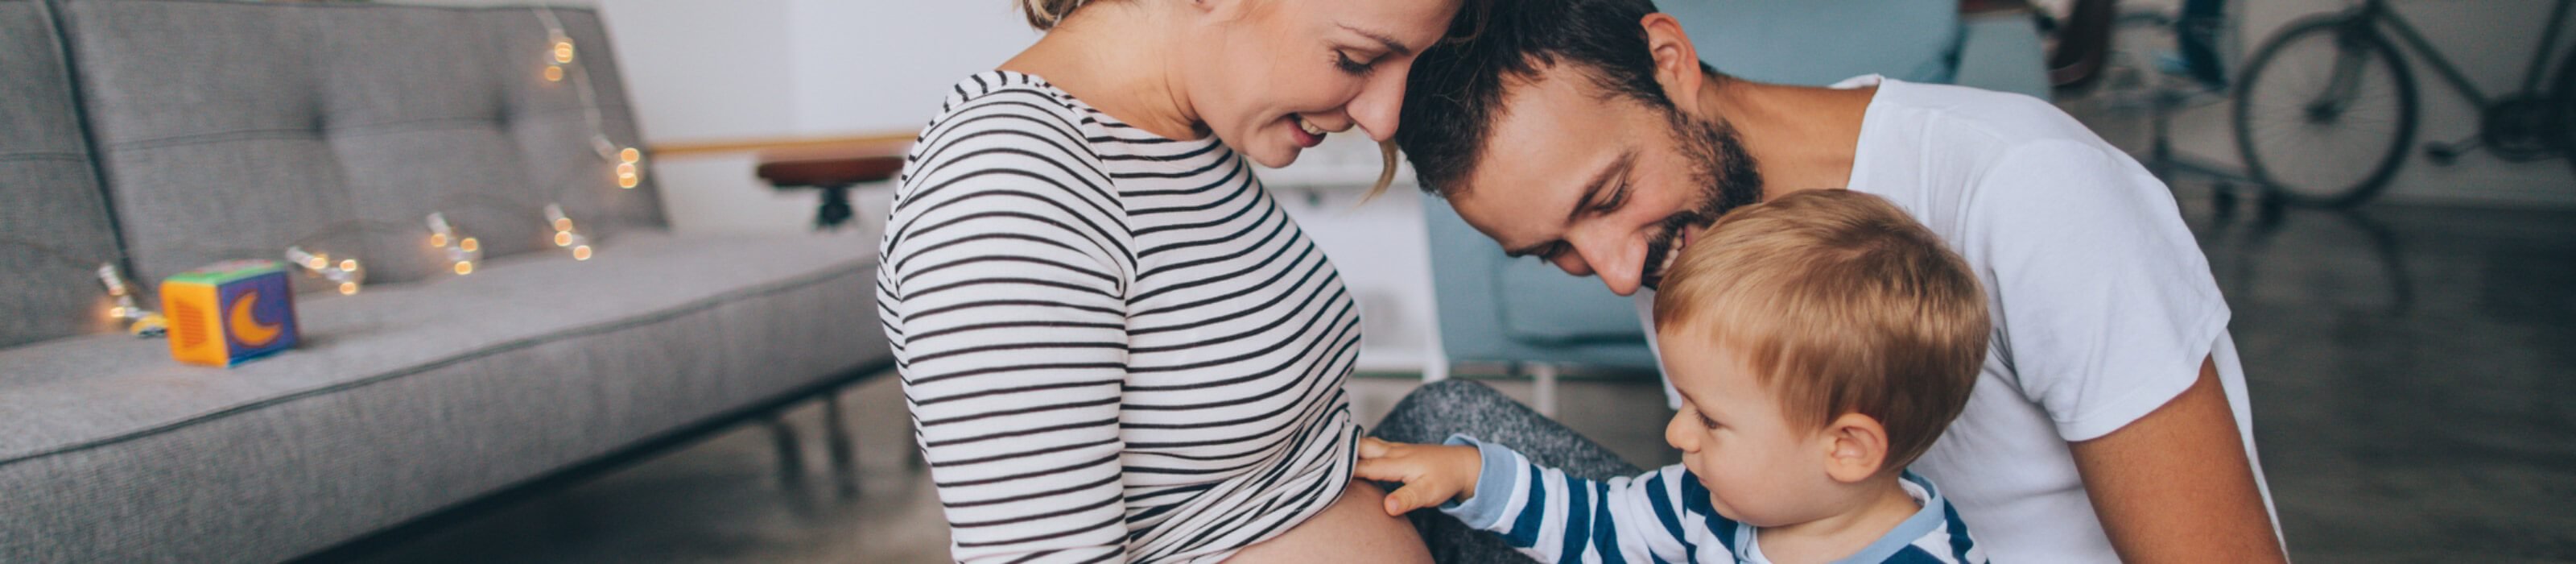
[229,312]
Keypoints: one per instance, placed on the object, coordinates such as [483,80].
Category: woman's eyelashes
[1351,66]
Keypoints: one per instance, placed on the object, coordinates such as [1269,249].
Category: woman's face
[1266,75]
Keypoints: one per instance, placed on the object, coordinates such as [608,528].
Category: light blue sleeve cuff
[1495,484]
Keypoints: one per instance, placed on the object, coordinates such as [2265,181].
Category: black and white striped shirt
[1116,346]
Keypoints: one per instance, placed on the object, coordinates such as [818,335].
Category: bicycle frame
[2378,12]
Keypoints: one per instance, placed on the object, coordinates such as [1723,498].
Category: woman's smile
[1307,134]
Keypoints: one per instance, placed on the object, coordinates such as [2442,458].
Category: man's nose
[1613,262]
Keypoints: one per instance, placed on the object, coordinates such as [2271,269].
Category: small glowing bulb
[581,252]
[118,312]
[348,288]
[626,181]
[469,245]
[626,168]
[317,262]
[438,239]
[563,51]
[348,264]
[563,238]
[630,155]
[563,224]
[464,267]
[554,73]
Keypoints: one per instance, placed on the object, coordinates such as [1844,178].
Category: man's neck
[1800,138]
[1882,505]
[1107,57]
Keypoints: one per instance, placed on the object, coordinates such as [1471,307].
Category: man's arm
[2174,486]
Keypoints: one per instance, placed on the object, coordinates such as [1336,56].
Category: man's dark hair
[1455,91]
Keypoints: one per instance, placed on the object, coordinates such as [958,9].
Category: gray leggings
[1436,410]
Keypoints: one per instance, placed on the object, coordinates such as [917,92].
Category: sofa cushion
[234,129]
[54,228]
[405,399]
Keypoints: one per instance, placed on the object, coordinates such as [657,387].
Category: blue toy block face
[258,315]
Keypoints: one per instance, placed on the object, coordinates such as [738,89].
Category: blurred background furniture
[831,168]
[1501,317]
[161,135]
[2156,63]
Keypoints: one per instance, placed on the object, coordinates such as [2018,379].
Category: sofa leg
[791,457]
[844,447]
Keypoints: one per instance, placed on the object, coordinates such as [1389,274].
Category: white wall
[2489,40]
[874,65]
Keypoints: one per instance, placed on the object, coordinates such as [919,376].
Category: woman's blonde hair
[1044,14]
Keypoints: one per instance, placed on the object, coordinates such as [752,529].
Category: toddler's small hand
[1431,474]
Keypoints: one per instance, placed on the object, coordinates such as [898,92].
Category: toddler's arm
[1546,514]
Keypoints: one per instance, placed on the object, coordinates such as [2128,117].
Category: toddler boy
[1820,341]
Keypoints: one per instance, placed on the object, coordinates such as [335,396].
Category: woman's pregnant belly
[1355,528]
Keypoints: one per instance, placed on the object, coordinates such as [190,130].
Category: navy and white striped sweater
[1664,516]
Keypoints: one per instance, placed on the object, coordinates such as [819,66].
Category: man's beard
[1726,176]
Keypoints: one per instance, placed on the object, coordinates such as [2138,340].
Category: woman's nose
[1380,103]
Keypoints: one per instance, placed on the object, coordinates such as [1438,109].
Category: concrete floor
[2413,371]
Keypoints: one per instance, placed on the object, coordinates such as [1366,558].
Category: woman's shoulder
[1006,101]
[1003,118]
[1007,142]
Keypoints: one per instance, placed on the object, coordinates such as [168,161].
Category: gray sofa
[166,134]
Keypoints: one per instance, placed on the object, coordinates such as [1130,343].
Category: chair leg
[1545,374]
[843,446]
[791,455]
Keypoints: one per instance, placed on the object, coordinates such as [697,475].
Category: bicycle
[2292,129]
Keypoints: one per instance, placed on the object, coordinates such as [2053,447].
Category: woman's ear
[1855,448]
[1676,61]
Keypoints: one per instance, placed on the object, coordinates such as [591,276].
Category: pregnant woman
[1116,347]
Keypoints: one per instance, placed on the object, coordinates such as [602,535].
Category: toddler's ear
[1855,447]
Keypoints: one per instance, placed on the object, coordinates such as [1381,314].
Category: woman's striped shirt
[1116,346]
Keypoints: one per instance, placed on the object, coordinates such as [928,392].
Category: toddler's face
[1759,468]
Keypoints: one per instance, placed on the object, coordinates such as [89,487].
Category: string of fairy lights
[462,251]
[346,274]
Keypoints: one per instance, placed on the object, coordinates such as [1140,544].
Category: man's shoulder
[1951,114]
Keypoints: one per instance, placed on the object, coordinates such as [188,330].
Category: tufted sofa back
[233,130]
[54,229]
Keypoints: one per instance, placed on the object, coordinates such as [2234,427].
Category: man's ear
[1676,61]
[1855,447]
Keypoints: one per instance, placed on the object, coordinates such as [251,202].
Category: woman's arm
[1003,292]
[2175,486]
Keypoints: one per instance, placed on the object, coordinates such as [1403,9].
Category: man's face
[1601,184]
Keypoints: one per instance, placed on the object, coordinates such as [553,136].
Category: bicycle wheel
[2325,112]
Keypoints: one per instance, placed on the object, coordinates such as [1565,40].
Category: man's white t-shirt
[2102,303]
